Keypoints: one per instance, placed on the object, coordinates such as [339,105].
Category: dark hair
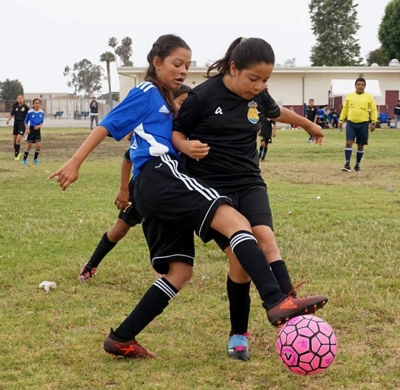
[244,52]
[178,92]
[34,100]
[361,79]
[162,48]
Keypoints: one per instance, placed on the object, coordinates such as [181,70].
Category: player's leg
[172,257]
[38,146]
[120,229]
[362,140]
[350,137]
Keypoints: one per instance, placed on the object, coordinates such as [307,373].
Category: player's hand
[315,132]
[196,149]
[67,174]
[27,131]
[373,127]
[122,199]
[7,122]
[340,125]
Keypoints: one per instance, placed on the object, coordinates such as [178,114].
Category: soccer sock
[152,304]
[265,152]
[347,154]
[360,154]
[103,247]
[239,305]
[260,152]
[252,259]
[17,148]
[36,154]
[26,153]
[282,276]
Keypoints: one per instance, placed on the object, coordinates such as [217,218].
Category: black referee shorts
[253,203]
[173,204]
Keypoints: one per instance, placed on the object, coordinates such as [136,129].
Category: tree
[377,57]
[334,24]
[123,51]
[10,89]
[113,43]
[108,57]
[84,76]
[389,30]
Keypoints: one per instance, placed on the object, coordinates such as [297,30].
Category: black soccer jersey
[229,125]
[19,112]
[311,113]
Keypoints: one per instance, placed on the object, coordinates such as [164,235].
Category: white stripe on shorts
[191,183]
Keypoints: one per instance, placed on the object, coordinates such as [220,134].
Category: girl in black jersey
[217,127]
[18,111]
[174,203]
[128,215]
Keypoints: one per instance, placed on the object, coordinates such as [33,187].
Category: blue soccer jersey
[34,118]
[146,112]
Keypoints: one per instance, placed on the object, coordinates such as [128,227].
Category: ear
[232,69]
[157,62]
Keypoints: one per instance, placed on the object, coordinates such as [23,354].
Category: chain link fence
[74,109]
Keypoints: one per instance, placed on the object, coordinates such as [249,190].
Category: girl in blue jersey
[33,123]
[173,203]
[225,113]
[128,216]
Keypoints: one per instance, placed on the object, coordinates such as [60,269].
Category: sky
[41,37]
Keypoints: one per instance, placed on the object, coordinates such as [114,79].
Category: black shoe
[357,168]
[346,168]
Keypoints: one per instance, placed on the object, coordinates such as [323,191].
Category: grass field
[340,231]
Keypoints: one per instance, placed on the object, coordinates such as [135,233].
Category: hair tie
[243,39]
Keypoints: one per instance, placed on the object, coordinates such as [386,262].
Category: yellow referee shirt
[358,108]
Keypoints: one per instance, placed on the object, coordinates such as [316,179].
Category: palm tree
[108,57]
[113,43]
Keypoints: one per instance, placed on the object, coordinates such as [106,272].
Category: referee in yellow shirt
[358,109]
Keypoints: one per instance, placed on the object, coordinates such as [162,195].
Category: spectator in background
[359,108]
[397,114]
[311,115]
[94,112]
[333,118]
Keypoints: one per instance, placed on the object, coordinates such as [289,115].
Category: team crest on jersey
[252,114]
[23,109]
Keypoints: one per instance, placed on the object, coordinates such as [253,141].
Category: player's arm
[290,117]
[194,149]
[273,128]
[69,172]
[344,113]
[122,199]
[374,114]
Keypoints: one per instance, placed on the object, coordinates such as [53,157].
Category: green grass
[345,243]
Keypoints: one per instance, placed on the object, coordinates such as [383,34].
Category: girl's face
[249,82]
[179,100]
[172,71]
[20,100]
[36,105]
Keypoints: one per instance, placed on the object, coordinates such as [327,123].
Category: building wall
[293,87]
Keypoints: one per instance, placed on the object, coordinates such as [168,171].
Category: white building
[293,86]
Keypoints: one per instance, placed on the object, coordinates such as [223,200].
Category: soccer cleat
[346,168]
[130,349]
[87,273]
[24,162]
[16,158]
[293,307]
[36,161]
[357,168]
[238,347]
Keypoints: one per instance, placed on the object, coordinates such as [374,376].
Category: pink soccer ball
[306,345]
